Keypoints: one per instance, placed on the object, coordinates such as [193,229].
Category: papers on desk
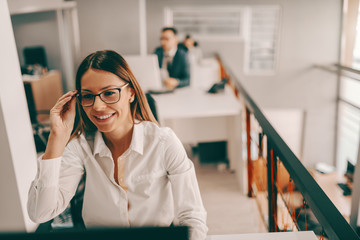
[160,91]
[324,168]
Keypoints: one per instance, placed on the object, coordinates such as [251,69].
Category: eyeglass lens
[109,96]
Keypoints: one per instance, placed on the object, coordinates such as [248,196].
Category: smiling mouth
[104,117]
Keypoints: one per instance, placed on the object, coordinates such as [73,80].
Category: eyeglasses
[109,96]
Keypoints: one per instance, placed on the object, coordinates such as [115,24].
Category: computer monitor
[146,71]
[134,233]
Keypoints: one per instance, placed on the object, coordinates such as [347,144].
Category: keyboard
[345,188]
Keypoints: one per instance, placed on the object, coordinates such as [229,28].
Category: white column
[17,148]
[142,20]
[67,59]
[76,35]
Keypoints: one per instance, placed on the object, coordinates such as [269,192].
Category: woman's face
[108,118]
[189,43]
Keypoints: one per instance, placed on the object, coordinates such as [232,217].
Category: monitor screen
[146,71]
[134,233]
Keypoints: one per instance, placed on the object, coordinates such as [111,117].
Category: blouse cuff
[49,171]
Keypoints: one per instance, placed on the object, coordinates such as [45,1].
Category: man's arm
[159,53]
[184,70]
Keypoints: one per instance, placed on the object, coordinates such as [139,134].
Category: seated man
[173,61]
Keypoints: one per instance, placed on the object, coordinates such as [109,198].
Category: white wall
[109,24]
[310,34]
[38,29]
[18,154]
[51,24]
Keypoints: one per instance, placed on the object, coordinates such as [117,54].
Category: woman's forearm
[62,117]
[56,145]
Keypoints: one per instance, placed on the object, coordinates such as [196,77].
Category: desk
[306,235]
[46,90]
[197,116]
[328,182]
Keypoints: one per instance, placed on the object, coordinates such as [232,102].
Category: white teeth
[104,117]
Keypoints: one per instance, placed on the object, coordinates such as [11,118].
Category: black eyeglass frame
[78,96]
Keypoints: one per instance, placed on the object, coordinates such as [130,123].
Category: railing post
[260,145]
[272,190]
[248,145]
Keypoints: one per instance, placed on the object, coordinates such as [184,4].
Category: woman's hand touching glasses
[62,117]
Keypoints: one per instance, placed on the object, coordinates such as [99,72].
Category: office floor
[229,211]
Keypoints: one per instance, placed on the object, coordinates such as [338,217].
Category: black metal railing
[333,223]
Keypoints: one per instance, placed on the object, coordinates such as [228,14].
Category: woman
[137,174]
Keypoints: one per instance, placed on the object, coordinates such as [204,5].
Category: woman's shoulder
[158,137]
[153,130]
[75,141]
[75,144]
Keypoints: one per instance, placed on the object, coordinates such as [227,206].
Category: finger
[71,93]
[69,106]
[60,104]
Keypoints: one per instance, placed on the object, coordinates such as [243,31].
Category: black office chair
[40,131]
[152,105]
[35,55]
[32,56]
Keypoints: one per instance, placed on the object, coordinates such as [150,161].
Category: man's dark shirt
[179,68]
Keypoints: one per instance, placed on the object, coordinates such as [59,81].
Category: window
[356,51]
[261,45]
[257,27]
[207,23]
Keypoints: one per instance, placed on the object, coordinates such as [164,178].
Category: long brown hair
[110,61]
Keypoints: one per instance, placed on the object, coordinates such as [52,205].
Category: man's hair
[170,29]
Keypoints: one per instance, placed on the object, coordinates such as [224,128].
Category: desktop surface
[197,116]
[192,102]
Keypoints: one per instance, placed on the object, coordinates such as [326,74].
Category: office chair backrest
[35,55]
[152,105]
[146,70]
[31,103]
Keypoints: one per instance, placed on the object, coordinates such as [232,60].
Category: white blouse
[160,180]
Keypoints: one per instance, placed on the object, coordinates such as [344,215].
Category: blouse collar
[98,146]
